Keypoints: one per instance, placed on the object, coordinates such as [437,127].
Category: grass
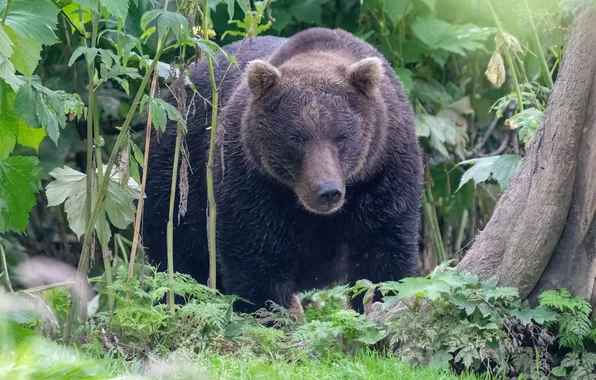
[365,365]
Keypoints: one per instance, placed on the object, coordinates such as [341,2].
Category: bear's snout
[329,194]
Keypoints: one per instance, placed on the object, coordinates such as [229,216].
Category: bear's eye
[296,140]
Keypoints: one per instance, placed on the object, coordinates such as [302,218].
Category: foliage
[451,319]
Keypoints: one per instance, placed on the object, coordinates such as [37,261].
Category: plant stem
[122,136]
[212,209]
[43,288]
[137,228]
[105,253]
[431,216]
[5,266]
[90,114]
[170,226]
[508,58]
[141,204]
[462,230]
[536,40]
[5,15]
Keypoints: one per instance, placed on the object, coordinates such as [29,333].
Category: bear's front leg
[383,249]
[257,284]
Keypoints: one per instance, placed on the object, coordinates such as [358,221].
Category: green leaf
[32,19]
[19,182]
[418,286]
[527,122]
[8,121]
[7,70]
[26,54]
[501,168]
[437,34]
[540,315]
[231,6]
[405,76]
[5,43]
[117,8]
[165,20]
[30,137]
[161,111]
[70,188]
[505,168]
[372,336]
[396,10]
[438,129]
[92,4]
[42,108]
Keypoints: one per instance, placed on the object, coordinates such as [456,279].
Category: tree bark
[541,234]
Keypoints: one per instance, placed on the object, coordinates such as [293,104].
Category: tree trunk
[541,234]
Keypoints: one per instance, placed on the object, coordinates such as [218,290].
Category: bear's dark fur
[321,178]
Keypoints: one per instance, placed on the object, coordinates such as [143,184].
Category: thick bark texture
[541,234]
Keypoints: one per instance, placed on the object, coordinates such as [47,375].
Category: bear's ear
[366,75]
[261,76]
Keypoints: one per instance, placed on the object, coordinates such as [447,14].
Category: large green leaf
[26,54]
[7,70]
[41,107]
[12,128]
[437,34]
[166,20]
[32,19]
[161,111]
[500,168]
[70,188]
[117,8]
[19,182]
[396,10]
[8,121]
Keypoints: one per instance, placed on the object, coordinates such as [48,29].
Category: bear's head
[315,123]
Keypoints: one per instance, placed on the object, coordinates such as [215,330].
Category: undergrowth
[446,322]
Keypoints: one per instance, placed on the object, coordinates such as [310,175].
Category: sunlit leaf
[41,108]
[32,19]
[438,34]
[527,122]
[26,54]
[19,182]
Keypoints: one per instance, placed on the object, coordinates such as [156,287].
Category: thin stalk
[434,224]
[122,136]
[105,253]
[43,288]
[84,261]
[5,267]
[508,58]
[121,246]
[170,226]
[137,228]
[538,44]
[5,15]
[212,209]
[462,230]
[90,115]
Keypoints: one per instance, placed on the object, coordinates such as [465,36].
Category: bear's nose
[329,194]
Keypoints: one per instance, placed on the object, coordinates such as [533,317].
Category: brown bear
[318,172]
